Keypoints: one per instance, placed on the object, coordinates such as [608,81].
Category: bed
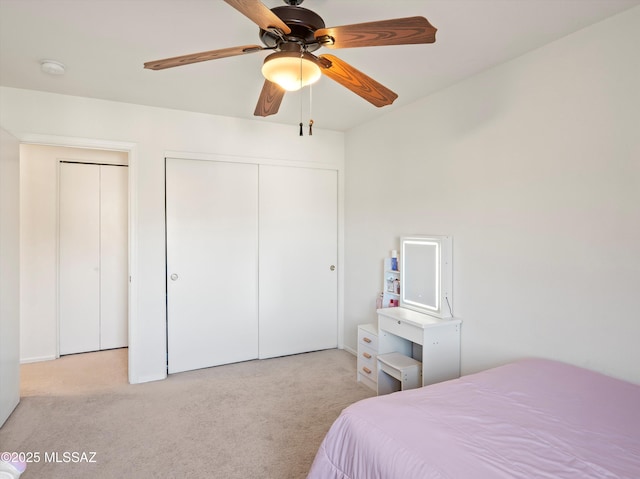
[533,418]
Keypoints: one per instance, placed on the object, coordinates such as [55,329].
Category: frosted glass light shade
[285,69]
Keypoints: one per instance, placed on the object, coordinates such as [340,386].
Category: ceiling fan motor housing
[302,22]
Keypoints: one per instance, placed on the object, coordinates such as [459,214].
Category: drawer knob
[399,322]
[366,340]
[366,369]
[366,355]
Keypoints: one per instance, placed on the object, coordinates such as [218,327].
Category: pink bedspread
[530,419]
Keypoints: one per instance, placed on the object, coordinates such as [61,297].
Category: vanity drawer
[368,370]
[367,361]
[402,329]
[367,339]
[367,355]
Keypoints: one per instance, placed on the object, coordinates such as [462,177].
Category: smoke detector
[52,67]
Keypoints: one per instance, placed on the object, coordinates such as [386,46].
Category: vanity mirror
[426,275]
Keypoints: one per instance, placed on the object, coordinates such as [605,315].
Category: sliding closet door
[79,286]
[212,263]
[298,257]
[114,256]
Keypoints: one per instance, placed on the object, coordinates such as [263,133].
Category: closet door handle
[174,277]
[332,267]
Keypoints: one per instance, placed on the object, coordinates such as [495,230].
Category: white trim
[37,359]
[131,149]
[57,259]
[341,260]
[258,160]
[69,141]
[350,350]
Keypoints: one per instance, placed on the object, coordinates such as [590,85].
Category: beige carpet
[257,419]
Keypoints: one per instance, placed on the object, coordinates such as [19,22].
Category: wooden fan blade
[201,57]
[259,14]
[270,99]
[356,81]
[398,31]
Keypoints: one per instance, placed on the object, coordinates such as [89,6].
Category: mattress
[533,418]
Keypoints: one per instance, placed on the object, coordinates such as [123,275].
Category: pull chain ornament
[310,106]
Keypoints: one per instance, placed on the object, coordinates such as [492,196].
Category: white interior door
[114,252]
[212,263]
[298,248]
[9,274]
[79,285]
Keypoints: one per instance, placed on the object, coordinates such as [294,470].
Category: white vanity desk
[418,342]
[435,342]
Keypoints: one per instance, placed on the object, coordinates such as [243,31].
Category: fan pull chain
[310,110]
[301,132]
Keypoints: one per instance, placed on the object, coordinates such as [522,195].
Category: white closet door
[79,285]
[212,263]
[298,247]
[113,256]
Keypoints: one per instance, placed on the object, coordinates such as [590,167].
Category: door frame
[131,150]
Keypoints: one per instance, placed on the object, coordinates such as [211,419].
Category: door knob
[332,267]
[174,277]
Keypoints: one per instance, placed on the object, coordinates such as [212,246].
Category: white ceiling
[104,43]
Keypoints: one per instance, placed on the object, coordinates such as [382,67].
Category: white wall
[39,167]
[534,168]
[9,275]
[155,132]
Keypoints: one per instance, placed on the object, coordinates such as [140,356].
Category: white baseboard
[147,378]
[36,359]
[352,351]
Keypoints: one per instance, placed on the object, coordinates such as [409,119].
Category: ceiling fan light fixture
[291,70]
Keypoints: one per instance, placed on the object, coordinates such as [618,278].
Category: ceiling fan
[293,32]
